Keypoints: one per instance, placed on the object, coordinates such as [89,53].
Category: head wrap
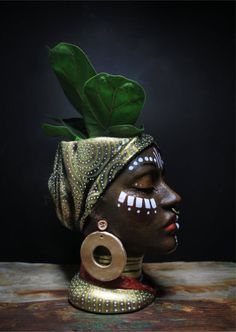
[83,169]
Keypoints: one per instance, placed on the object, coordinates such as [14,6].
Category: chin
[172,245]
[166,247]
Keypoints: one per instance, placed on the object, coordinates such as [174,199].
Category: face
[140,208]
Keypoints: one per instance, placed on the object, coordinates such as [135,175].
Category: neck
[133,267]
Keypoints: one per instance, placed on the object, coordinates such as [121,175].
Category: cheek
[139,217]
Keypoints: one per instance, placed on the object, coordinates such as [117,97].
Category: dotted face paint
[137,203]
[156,159]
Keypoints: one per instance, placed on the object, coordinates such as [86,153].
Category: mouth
[172,226]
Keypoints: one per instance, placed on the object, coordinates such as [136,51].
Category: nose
[169,197]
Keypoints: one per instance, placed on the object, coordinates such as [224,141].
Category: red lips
[171,227]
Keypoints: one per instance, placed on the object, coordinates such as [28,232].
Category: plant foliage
[109,105]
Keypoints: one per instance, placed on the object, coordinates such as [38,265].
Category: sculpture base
[96,299]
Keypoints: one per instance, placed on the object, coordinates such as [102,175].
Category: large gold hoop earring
[118,256]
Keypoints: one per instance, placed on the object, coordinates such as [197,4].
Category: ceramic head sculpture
[107,183]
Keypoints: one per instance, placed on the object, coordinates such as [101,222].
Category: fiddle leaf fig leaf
[75,125]
[53,130]
[73,69]
[109,104]
[124,131]
[113,100]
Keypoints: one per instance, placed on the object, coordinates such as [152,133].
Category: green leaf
[76,126]
[113,100]
[52,130]
[72,69]
[124,131]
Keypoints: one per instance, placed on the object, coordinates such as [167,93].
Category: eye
[145,190]
[145,183]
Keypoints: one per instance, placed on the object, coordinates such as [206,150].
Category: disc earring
[115,247]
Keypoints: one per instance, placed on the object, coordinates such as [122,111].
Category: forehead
[148,156]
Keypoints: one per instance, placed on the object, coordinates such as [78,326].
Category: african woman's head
[120,181]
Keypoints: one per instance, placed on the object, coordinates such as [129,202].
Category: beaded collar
[123,295]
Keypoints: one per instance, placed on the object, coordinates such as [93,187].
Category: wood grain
[198,296]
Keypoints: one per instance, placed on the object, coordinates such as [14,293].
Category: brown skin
[139,233]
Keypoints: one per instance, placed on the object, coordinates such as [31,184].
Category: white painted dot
[148,212]
[131,168]
[118,205]
[129,209]
[155,211]
[146,158]
[140,160]
[150,158]
[138,211]
[135,163]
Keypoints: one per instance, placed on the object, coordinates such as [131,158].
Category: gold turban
[83,169]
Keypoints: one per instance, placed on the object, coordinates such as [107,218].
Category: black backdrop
[183,55]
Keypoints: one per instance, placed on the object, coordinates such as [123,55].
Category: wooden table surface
[196,296]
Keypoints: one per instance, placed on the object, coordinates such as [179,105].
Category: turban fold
[83,169]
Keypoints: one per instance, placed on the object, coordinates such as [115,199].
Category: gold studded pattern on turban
[83,170]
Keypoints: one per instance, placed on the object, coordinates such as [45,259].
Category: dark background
[183,55]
